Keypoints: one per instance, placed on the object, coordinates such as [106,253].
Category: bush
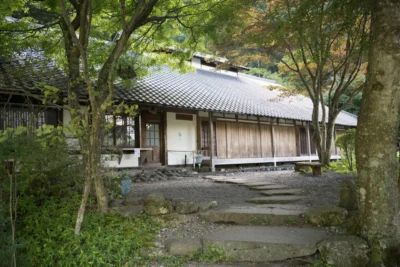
[33,168]
[105,240]
[346,142]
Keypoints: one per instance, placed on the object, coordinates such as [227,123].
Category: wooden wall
[285,141]
[253,140]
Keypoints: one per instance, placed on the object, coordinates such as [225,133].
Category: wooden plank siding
[285,141]
[221,139]
[243,140]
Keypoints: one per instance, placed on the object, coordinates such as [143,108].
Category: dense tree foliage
[104,42]
[323,43]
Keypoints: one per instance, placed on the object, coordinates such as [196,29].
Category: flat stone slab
[268,187]
[254,184]
[265,243]
[182,247]
[282,192]
[231,181]
[275,199]
[272,214]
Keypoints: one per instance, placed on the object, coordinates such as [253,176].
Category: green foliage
[346,142]
[106,240]
[319,263]
[45,166]
[213,254]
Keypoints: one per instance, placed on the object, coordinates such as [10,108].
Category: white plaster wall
[181,135]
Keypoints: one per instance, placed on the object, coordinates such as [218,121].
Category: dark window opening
[122,133]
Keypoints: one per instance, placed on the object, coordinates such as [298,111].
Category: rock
[185,206]
[156,204]
[129,211]
[207,205]
[265,243]
[154,197]
[348,195]
[132,201]
[344,251]
[326,215]
[116,203]
[179,247]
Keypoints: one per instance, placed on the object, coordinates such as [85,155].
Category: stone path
[275,214]
[267,232]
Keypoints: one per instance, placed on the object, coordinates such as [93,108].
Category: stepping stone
[282,192]
[273,214]
[265,243]
[268,187]
[254,184]
[231,181]
[275,199]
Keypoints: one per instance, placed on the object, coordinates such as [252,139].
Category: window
[122,132]
[152,134]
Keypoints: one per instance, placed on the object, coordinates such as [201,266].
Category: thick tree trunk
[376,136]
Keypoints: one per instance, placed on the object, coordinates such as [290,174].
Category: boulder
[156,204]
[348,195]
[344,251]
[185,207]
[132,201]
[326,215]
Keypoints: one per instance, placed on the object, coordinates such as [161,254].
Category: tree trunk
[376,136]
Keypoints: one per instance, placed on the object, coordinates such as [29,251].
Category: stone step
[268,187]
[265,243]
[256,184]
[273,214]
[282,192]
[275,199]
[231,181]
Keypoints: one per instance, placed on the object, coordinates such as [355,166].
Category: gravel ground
[320,190]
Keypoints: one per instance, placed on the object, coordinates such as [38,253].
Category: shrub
[105,240]
[346,142]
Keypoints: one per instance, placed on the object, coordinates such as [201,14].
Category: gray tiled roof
[201,90]
[213,91]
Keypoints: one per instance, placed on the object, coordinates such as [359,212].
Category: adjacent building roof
[201,89]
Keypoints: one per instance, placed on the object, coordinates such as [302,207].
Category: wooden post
[259,131]
[198,132]
[211,142]
[273,141]
[308,141]
[165,138]
[138,130]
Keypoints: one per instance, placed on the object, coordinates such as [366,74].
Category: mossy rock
[344,251]
[326,216]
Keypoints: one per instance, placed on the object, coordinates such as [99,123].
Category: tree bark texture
[376,136]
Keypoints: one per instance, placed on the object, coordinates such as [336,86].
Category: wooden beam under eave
[211,142]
